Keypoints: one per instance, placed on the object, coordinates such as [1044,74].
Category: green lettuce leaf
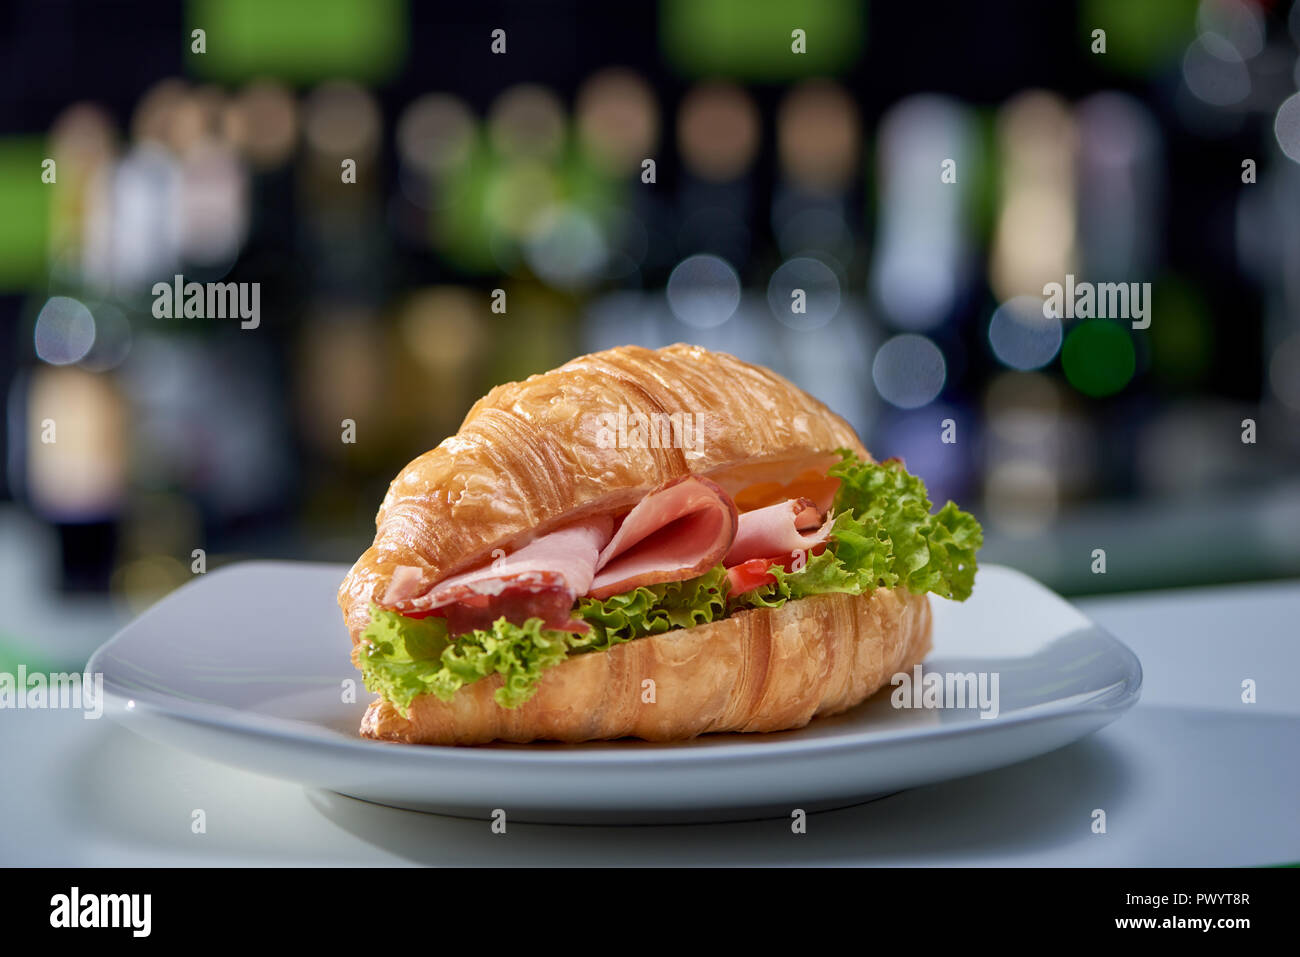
[654,609]
[930,553]
[405,657]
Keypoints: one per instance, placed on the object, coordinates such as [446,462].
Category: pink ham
[779,530]
[404,585]
[680,530]
[543,580]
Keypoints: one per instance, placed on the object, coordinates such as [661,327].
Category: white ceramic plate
[247,665]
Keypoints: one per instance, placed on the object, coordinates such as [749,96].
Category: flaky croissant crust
[760,670]
[531,454]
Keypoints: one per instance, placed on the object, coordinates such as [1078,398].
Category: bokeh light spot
[342,119]
[566,248]
[718,131]
[703,291]
[1021,336]
[436,133]
[909,371]
[527,121]
[804,284]
[1215,72]
[65,331]
[1098,357]
[1286,127]
[618,119]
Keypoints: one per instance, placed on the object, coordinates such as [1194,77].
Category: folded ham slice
[774,536]
[680,530]
[778,530]
[542,580]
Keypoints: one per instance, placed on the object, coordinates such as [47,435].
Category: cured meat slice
[781,529]
[543,580]
[680,530]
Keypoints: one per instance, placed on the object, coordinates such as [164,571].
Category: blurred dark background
[132,441]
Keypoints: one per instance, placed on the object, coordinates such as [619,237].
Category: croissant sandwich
[645,543]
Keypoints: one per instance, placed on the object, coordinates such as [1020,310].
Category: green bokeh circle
[1098,357]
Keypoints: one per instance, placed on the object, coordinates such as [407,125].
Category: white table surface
[1190,776]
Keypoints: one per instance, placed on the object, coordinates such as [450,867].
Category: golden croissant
[645,543]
